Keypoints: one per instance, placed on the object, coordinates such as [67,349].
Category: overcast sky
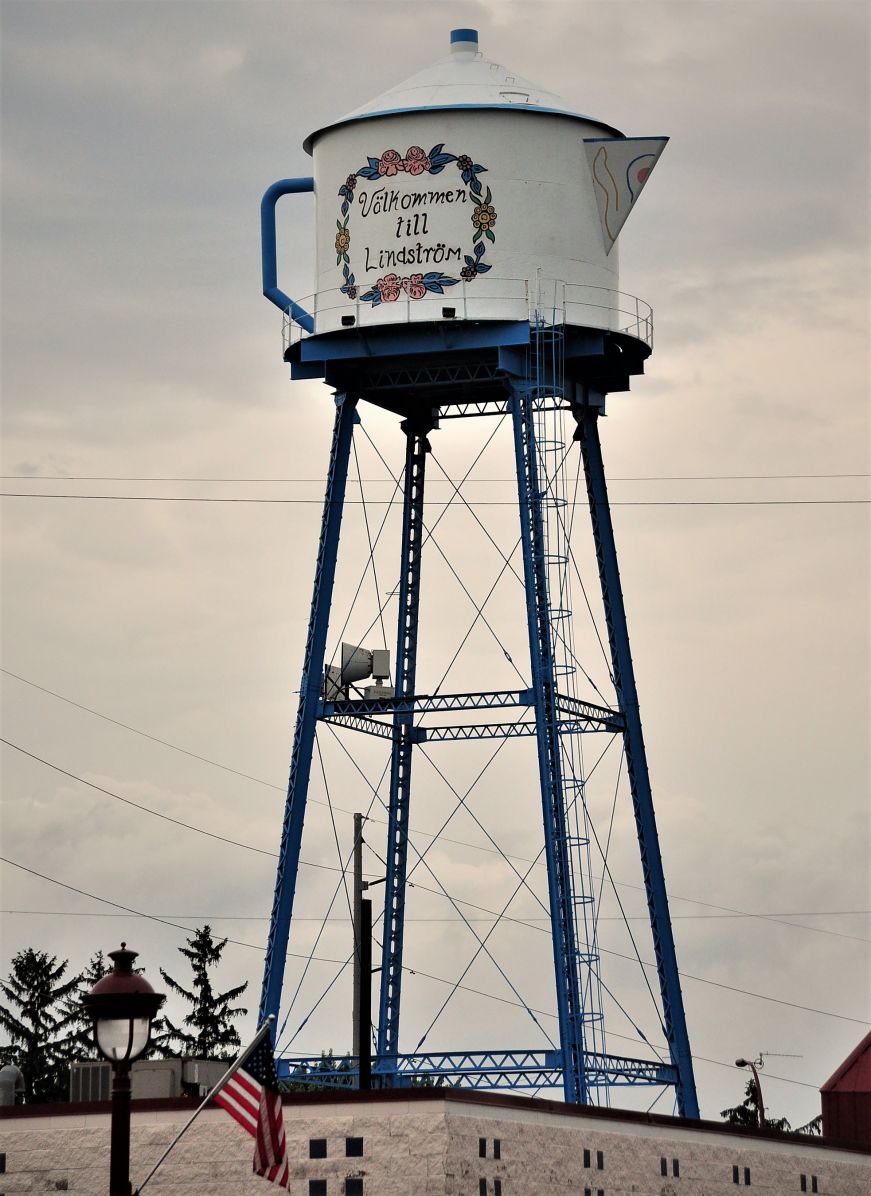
[137,140]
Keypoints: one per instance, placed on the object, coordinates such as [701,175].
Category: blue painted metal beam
[519,1069]
[424,703]
[498,699]
[356,722]
[417,448]
[463,732]
[510,730]
[569,1006]
[309,702]
[636,763]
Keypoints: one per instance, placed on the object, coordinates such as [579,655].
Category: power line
[144,734]
[726,910]
[685,975]
[318,502]
[137,805]
[321,959]
[695,477]
[188,826]
[117,905]
[325,867]
[72,913]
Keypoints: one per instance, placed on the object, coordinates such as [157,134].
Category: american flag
[251,1096]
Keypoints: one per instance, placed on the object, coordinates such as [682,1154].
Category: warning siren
[358,664]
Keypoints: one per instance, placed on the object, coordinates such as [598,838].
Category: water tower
[466,267]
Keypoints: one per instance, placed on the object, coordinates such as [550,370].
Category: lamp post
[122,1007]
[760,1108]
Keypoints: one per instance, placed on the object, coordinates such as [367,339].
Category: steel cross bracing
[521,388]
[521,1069]
[307,711]
[674,1016]
[417,447]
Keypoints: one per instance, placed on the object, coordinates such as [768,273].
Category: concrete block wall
[71,1154]
[425,1145]
[404,1148]
[550,1154]
[403,1152]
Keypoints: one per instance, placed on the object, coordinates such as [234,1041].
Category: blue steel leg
[559,877]
[636,763]
[309,699]
[416,449]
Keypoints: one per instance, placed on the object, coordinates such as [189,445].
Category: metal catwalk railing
[490,298]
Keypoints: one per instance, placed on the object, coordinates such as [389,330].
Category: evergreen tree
[747,1113]
[814,1126]
[327,1063]
[85,1046]
[39,1019]
[206,1032]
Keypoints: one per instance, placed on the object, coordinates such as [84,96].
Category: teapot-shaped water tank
[468,193]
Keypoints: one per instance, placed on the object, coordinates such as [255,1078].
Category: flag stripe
[252,1098]
[244,1112]
[241,1096]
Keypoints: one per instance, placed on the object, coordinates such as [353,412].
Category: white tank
[468,193]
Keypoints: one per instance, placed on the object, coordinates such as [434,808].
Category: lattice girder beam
[531,1069]
[426,703]
[461,732]
[413,535]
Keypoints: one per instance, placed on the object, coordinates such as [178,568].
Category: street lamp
[760,1108]
[122,1007]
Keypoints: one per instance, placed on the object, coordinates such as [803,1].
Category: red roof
[854,1074]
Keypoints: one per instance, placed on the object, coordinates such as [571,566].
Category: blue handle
[267,243]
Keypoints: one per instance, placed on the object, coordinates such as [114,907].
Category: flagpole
[231,1070]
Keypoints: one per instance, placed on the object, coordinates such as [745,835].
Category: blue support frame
[416,450]
[525,392]
[568,995]
[307,712]
[636,761]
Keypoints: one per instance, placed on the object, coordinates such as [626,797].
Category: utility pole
[362,1000]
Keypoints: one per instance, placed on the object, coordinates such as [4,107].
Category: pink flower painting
[416,161]
[414,286]
[389,287]
[390,163]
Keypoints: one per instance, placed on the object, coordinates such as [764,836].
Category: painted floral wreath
[416,162]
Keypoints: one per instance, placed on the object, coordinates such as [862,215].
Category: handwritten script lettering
[410,255]
[388,199]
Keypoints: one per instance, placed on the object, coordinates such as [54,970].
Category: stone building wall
[426,1144]
[552,1154]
